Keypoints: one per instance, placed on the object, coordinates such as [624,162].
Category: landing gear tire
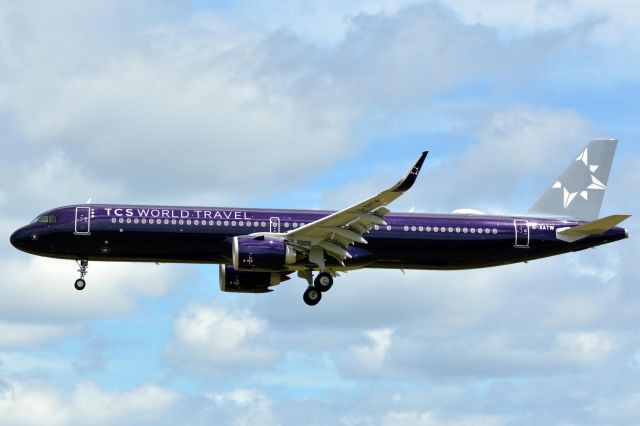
[312,296]
[323,281]
[80,284]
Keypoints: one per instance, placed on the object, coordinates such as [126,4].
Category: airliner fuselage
[198,234]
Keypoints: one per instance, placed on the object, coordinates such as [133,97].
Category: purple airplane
[258,249]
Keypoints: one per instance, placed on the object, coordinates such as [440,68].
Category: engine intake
[262,253]
[235,281]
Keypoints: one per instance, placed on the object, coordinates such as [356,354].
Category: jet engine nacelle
[235,281]
[261,253]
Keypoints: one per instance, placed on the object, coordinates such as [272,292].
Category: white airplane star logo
[595,183]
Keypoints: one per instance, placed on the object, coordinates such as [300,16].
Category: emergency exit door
[274,223]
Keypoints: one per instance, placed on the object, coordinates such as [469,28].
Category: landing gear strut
[84,266]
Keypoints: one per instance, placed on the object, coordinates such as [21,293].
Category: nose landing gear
[83,267]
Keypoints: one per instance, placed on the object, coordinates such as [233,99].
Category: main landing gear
[84,266]
[322,283]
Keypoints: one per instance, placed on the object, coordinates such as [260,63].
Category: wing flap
[335,249]
[347,234]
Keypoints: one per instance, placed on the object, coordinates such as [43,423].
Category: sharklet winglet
[407,182]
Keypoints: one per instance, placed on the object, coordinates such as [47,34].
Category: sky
[309,104]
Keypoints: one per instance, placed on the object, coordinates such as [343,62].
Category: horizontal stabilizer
[596,227]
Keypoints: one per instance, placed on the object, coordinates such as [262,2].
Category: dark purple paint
[98,237]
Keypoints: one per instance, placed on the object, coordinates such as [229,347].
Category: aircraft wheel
[80,284]
[312,296]
[323,281]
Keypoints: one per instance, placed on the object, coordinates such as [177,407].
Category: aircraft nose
[19,238]
[14,239]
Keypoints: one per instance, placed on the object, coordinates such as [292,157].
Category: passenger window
[52,219]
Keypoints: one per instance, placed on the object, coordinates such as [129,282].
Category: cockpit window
[45,218]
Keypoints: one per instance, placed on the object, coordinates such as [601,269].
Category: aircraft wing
[334,233]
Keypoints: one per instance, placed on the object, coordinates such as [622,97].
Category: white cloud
[606,30]
[143,405]
[113,110]
[516,150]
[516,153]
[427,418]
[51,181]
[528,16]
[207,339]
[425,355]
[247,407]
[328,22]
[32,403]
[45,289]
[405,58]
[39,304]
[591,347]
[607,268]
[323,22]
[524,320]
[29,405]
[370,357]
[23,335]
[120,114]
[22,362]
[615,19]
[618,411]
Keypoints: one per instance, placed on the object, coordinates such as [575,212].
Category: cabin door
[522,233]
[83,221]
